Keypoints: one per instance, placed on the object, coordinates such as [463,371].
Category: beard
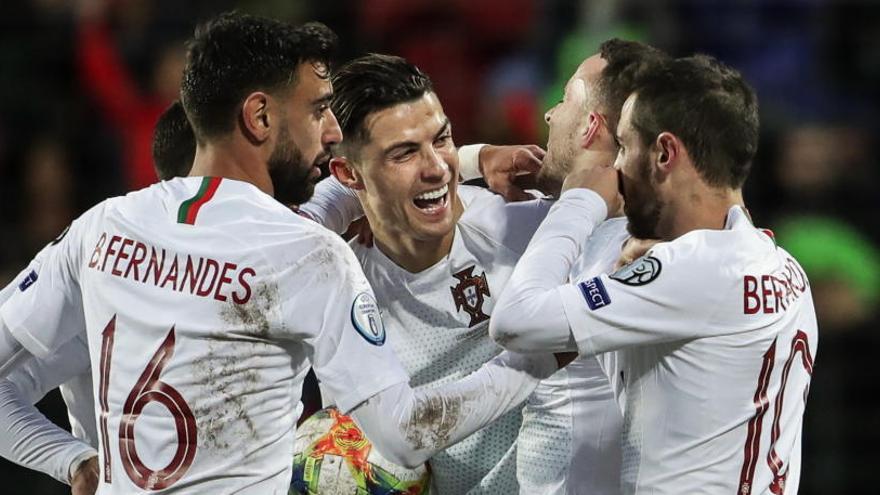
[291,174]
[641,204]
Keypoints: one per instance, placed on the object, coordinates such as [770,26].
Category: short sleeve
[330,306]
[44,311]
[670,294]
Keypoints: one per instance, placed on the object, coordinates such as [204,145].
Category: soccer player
[174,145]
[714,326]
[443,252]
[35,442]
[205,299]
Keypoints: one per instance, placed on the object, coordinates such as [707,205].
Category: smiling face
[409,168]
[643,204]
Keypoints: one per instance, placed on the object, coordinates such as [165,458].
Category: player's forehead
[311,82]
[416,120]
[587,73]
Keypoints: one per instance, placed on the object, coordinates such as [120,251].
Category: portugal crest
[469,293]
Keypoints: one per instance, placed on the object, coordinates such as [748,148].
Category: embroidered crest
[640,272]
[468,294]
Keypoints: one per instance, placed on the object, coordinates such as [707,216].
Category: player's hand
[597,173]
[361,230]
[510,170]
[85,479]
[564,358]
[633,249]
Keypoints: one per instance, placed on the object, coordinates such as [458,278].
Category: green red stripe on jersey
[189,209]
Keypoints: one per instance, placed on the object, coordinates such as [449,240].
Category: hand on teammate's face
[596,172]
[85,479]
[510,170]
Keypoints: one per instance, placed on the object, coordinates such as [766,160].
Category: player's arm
[328,305]
[31,440]
[671,294]
[529,316]
[507,170]
[45,309]
[410,426]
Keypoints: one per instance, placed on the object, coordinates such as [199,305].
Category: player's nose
[332,133]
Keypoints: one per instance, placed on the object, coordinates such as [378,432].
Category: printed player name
[141,262]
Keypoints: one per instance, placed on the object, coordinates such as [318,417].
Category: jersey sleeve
[328,304]
[670,294]
[512,224]
[45,309]
[333,205]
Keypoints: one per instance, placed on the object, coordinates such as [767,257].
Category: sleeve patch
[594,293]
[640,272]
[28,281]
[366,319]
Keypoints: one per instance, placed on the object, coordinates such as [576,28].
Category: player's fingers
[526,162]
[537,151]
[513,194]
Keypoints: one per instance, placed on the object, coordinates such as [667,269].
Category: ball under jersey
[205,302]
[717,334]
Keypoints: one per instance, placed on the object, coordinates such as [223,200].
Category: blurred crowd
[83,82]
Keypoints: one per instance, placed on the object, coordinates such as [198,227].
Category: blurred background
[83,81]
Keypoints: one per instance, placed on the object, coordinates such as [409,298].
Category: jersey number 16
[148,388]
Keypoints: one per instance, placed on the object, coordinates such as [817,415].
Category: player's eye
[443,140]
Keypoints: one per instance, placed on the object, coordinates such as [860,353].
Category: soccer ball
[333,457]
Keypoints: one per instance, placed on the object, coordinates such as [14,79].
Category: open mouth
[431,201]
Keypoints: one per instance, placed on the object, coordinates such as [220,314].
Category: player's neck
[703,208]
[415,255]
[222,158]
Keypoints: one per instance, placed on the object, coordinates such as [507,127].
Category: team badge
[640,272]
[468,294]
[366,318]
[28,281]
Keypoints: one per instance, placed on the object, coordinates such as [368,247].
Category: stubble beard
[290,174]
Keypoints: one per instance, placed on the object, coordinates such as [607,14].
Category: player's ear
[668,151]
[596,125]
[254,117]
[344,171]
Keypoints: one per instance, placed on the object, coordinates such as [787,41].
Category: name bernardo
[141,262]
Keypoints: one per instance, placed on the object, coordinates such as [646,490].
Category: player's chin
[433,224]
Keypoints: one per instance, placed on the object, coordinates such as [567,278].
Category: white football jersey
[437,322]
[570,439]
[67,368]
[716,335]
[205,302]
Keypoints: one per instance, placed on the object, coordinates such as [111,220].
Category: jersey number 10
[147,389]
[799,345]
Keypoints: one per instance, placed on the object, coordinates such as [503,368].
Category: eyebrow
[412,144]
[322,100]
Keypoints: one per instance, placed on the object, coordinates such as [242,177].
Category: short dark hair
[626,63]
[710,107]
[236,54]
[174,145]
[371,83]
